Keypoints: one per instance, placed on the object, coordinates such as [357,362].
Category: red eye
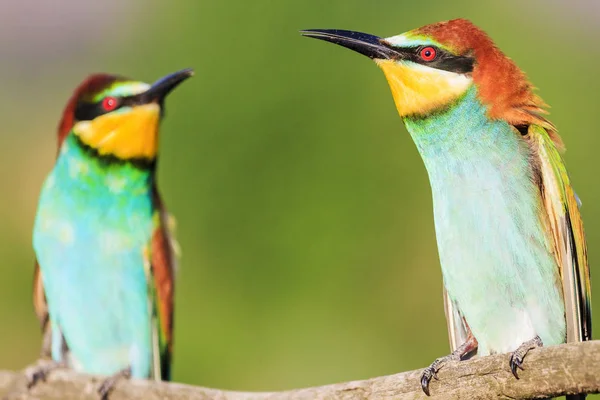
[109,103]
[428,53]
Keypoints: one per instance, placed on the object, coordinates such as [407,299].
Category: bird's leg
[45,364]
[516,359]
[431,371]
[40,369]
[109,383]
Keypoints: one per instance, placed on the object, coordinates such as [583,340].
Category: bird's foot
[109,383]
[40,369]
[431,372]
[516,359]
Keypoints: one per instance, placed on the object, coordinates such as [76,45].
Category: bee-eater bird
[103,280]
[509,233]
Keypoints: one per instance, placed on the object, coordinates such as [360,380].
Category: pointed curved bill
[162,87]
[371,46]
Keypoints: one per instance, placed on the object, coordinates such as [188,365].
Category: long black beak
[164,86]
[371,46]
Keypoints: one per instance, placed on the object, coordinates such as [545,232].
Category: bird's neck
[461,140]
[79,166]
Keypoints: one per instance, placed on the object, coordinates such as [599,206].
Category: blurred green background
[303,208]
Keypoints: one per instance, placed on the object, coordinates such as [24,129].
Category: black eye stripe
[86,111]
[443,60]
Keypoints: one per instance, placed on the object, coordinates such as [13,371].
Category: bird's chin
[126,134]
[419,90]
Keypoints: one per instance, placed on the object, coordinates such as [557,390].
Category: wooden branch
[551,371]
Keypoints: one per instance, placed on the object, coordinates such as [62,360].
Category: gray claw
[516,358]
[109,383]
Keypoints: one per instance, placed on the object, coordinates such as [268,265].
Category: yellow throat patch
[126,135]
[419,90]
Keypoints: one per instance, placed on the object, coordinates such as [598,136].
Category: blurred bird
[103,280]
[509,232]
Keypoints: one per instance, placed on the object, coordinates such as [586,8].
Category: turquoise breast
[93,224]
[494,250]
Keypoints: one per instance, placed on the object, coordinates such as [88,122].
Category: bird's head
[429,68]
[118,117]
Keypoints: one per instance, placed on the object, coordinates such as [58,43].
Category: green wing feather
[566,227]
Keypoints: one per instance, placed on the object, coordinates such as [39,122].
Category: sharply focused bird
[103,280]
[509,233]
